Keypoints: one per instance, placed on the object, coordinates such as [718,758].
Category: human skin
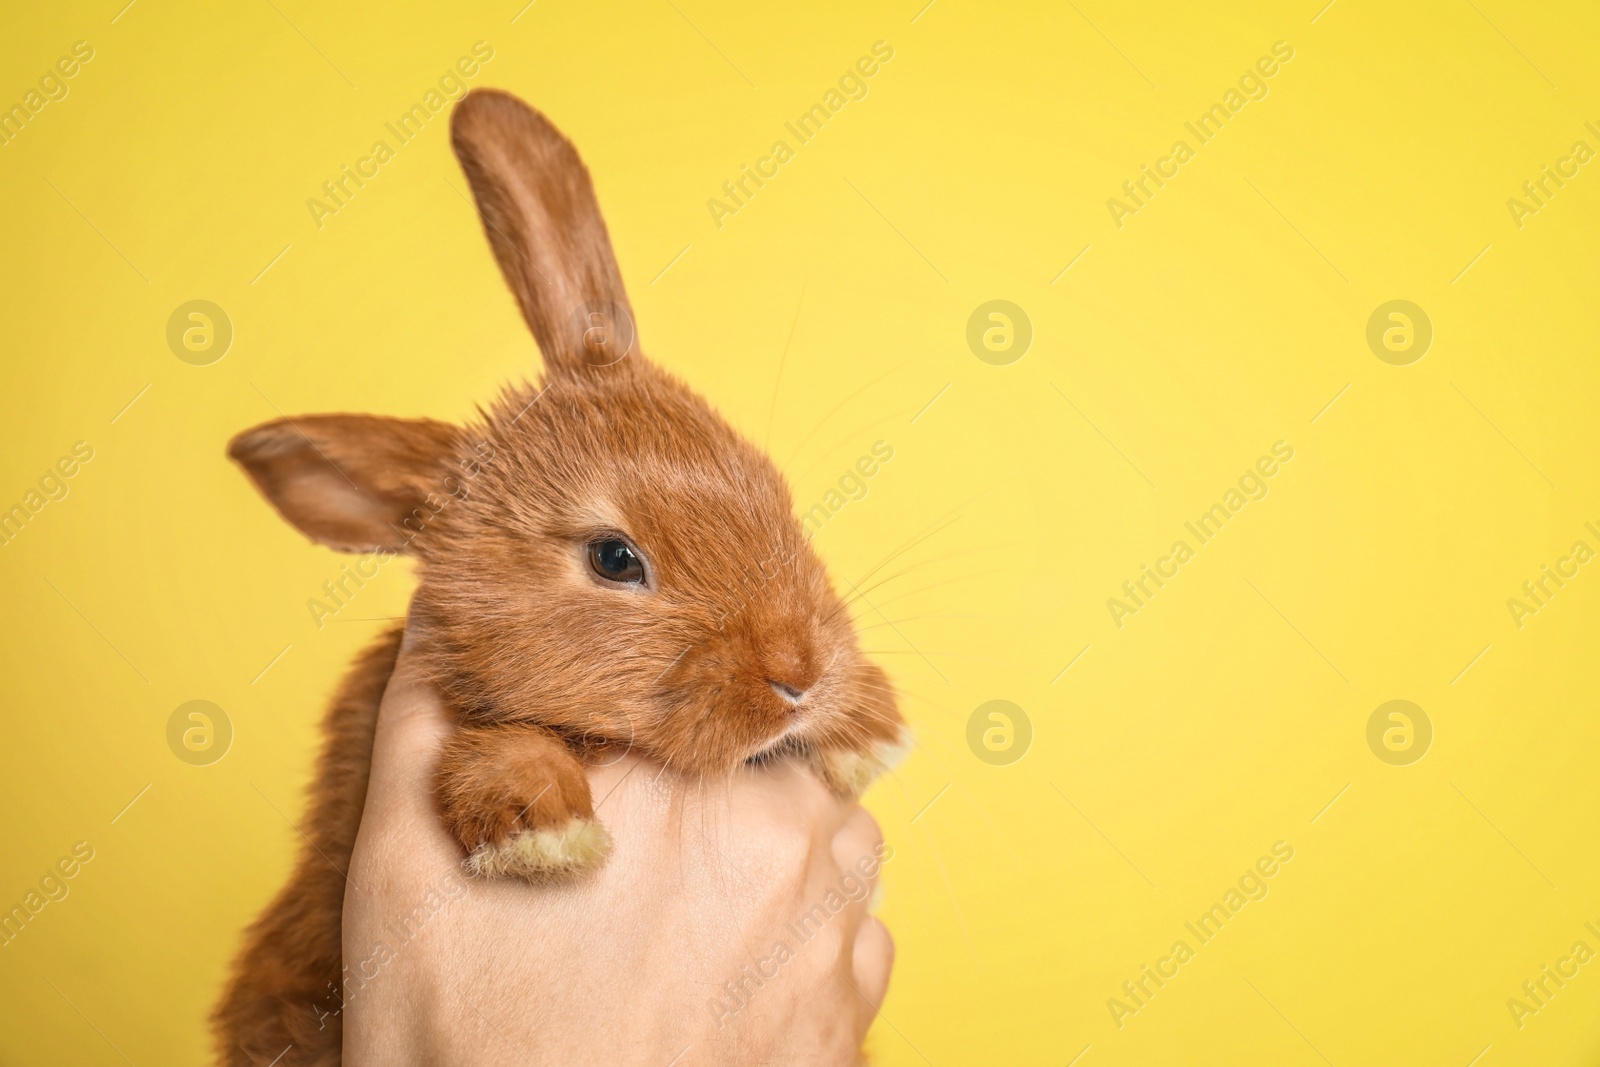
[622,966]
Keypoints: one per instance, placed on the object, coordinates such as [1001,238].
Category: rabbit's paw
[518,800]
[849,772]
[537,855]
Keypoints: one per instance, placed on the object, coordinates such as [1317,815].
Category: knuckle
[859,843]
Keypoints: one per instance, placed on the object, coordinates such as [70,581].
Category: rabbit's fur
[541,658]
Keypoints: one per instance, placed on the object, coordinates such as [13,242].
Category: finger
[412,724]
[857,844]
[784,798]
[856,851]
[871,961]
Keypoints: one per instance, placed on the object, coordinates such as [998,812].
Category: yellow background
[1224,316]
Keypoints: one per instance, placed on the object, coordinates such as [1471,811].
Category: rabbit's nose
[791,671]
[789,693]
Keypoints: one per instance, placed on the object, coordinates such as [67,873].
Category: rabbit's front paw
[518,800]
[849,772]
[539,855]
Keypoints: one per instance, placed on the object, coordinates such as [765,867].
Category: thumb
[413,723]
[871,961]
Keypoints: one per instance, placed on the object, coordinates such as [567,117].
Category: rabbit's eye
[613,560]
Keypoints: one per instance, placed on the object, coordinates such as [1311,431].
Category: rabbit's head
[601,554]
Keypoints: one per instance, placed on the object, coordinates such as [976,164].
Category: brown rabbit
[601,561]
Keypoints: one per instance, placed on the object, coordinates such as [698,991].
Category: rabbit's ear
[541,218]
[357,483]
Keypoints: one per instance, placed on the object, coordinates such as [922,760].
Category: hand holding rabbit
[631,966]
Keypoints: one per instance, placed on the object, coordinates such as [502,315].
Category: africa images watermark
[1537,993]
[852,486]
[1251,886]
[353,577]
[853,886]
[753,177]
[401,932]
[340,190]
[1538,192]
[1252,86]
[53,887]
[1537,592]
[53,487]
[1252,485]
[52,88]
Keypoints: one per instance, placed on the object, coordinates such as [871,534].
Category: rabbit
[601,561]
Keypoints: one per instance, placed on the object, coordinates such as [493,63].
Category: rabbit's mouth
[785,744]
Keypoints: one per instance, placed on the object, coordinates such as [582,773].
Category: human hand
[728,926]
